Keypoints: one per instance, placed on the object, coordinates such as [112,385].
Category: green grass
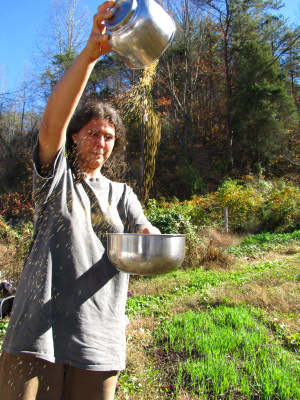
[3,327]
[219,333]
[226,352]
[263,243]
[191,282]
[276,238]
[212,334]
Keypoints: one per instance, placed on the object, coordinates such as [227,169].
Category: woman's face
[94,144]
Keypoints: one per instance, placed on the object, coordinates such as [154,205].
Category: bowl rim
[148,234]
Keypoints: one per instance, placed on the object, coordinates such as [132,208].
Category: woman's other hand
[150,229]
[97,44]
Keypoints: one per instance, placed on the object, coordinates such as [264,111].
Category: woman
[66,336]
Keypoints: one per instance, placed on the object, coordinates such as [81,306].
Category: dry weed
[283,299]
[215,257]
[11,263]
[292,249]
[222,239]
[139,384]
[209,251]
[144,286]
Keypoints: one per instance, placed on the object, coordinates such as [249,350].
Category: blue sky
[21,20]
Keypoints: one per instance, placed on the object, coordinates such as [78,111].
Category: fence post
[226,219]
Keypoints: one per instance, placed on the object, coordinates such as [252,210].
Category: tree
[63,36]
[181,72]
[262,111]
[238,22]
[110,79]
[291,64]
[18,132]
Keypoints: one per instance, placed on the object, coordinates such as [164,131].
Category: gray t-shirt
[70,301]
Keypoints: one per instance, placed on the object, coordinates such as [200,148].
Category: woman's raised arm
[67,93]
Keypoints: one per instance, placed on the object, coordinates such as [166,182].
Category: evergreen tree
[262,111]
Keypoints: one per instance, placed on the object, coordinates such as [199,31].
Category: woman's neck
[89,172]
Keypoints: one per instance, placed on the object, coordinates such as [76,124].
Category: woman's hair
[84,113]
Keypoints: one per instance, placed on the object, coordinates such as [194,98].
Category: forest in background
[222,102]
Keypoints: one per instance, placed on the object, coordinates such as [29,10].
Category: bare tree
[19,123]
[62,37]
[65,28]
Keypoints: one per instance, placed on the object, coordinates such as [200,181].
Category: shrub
[258,205]
[189,182]
[15,244]
[174,218]
[167,217]
[281,209]
[243,203]
[255,205]
[14,205]
[205,211]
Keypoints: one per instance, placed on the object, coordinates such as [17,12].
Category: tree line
[222,101]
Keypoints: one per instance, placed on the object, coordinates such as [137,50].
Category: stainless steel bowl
[140,31]
[146,254]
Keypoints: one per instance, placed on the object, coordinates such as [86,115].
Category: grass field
[221,330]
[218,333]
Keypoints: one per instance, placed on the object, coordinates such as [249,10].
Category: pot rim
[148,234]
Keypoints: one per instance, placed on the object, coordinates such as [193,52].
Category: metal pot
[140,31]
[146,254]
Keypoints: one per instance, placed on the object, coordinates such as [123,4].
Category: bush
[167,218]
[205,211]
[281,209]
[189,182]
[174,218]
[260,205]
[254,206]
[243,203]
[15,244]
[14,205]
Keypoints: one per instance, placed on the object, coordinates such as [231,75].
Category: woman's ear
[74,137]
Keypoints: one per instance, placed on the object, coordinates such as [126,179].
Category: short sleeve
[135,215]
[44,185]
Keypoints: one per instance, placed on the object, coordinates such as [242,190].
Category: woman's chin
[92,164]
